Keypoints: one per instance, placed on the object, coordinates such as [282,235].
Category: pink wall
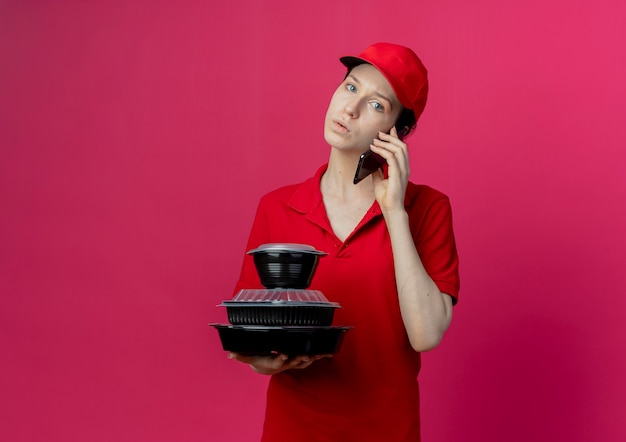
[137,137]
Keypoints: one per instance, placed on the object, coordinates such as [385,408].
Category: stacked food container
[284,317]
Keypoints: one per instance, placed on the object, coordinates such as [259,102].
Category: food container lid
[286,247]
[279,297]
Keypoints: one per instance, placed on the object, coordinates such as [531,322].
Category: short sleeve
[435,243]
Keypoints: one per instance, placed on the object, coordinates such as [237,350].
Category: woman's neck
[338,178]
[346,204]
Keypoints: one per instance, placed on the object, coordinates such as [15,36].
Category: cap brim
[351,62]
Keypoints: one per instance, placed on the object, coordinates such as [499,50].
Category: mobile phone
[369,162]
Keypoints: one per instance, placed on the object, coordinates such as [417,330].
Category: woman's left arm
[426,311]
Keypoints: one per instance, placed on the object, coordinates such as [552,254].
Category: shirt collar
[308,196]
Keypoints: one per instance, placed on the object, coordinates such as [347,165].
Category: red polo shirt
[368,391]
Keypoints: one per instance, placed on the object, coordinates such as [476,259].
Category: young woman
[392,264]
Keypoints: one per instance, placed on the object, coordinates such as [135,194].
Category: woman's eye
[379,107]
[351,87]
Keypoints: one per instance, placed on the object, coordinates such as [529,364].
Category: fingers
[274,364]
[271,364]
[251,359]
[394,151]
[300,362]
[391,143]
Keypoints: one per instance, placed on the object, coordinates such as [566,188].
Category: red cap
[402,69]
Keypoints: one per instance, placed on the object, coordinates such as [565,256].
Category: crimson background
[136,138]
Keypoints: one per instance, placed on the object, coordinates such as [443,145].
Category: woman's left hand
[390,192]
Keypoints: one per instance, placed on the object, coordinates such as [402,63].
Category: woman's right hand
[277,363]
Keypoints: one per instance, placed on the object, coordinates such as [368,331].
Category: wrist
[397,220]
[395,214]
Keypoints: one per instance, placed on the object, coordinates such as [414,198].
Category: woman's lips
[340,127]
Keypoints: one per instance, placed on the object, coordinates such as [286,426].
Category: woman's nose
[352,108]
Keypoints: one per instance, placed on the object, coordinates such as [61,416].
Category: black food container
[285,265]
[285,317]
[292,341]
[280,307]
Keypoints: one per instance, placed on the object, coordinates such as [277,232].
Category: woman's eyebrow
[356,80]
[383,96]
